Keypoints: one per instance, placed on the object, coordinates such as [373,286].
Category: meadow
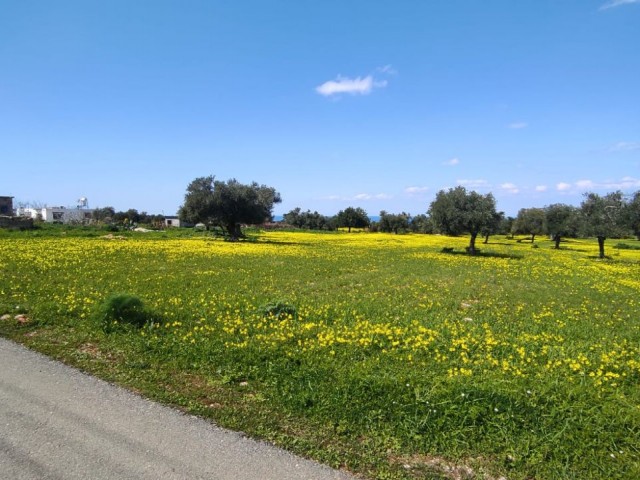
[390,356]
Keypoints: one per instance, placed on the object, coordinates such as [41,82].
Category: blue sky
[334,103]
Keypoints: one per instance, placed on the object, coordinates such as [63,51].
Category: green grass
[390,356]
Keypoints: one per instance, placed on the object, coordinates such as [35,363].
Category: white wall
[57,214]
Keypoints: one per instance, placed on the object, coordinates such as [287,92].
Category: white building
[57,214]
[172,221]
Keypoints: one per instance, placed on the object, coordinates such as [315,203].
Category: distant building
[58,214]
[6,206]
[172,221]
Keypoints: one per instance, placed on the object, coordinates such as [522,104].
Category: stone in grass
[5,317]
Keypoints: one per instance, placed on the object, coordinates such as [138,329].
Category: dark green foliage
[392,222]
[457,211]
[279,310]
[308,220]
[561,221]
[626,246]
[228,204]
[530,221]
[603,217]
[421,224]
[492,227]
[120,310]
[633,214]
[352,218]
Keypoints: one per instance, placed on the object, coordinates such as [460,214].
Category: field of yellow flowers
[393,356]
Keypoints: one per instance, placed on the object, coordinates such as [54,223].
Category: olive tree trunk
[601,246]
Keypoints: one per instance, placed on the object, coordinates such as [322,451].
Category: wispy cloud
[359,196]
[518,125]
[452,162]
[617,3]
[416,190]
[388,69]
[585,184]
[510,187]
[352,86]
[369,196]
[541,188]
[624,147]
[625,183]
[356,86]
[474,183]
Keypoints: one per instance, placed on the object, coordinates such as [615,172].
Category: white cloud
[452,162]
[584,184]
[625,183]
[368,196]
[363,196]
[476,183]
[383,196]
[541,188]
[617,3]
[510,187]
[415,190]
[359,196]
[358,85]
[352,86]
[518,125]
[624,147]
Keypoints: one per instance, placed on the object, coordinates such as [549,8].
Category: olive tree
[492,227]
[352,218]
[633,214]
[603,217]
[307,220]
[228,204]
[392,222]
[457,211]
[530,221]
[561,220]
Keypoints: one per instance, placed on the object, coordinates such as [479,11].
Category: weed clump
[279,310]
[120,310]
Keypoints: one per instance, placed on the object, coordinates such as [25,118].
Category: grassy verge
[389,356]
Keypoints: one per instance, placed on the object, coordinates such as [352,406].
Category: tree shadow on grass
[273,242]
[480,254]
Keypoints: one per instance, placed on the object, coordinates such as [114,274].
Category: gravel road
[59,423]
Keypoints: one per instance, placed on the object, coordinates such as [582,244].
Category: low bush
[120,310]
[279,310]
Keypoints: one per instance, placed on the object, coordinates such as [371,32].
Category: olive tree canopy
[352,217]
[603,216]
[457,211]
[228,204]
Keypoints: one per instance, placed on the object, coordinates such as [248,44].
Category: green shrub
[279,310]
[626,246]
[121,310]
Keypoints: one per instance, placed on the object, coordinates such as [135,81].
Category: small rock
[22,318]
[5,317]
[243,384]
